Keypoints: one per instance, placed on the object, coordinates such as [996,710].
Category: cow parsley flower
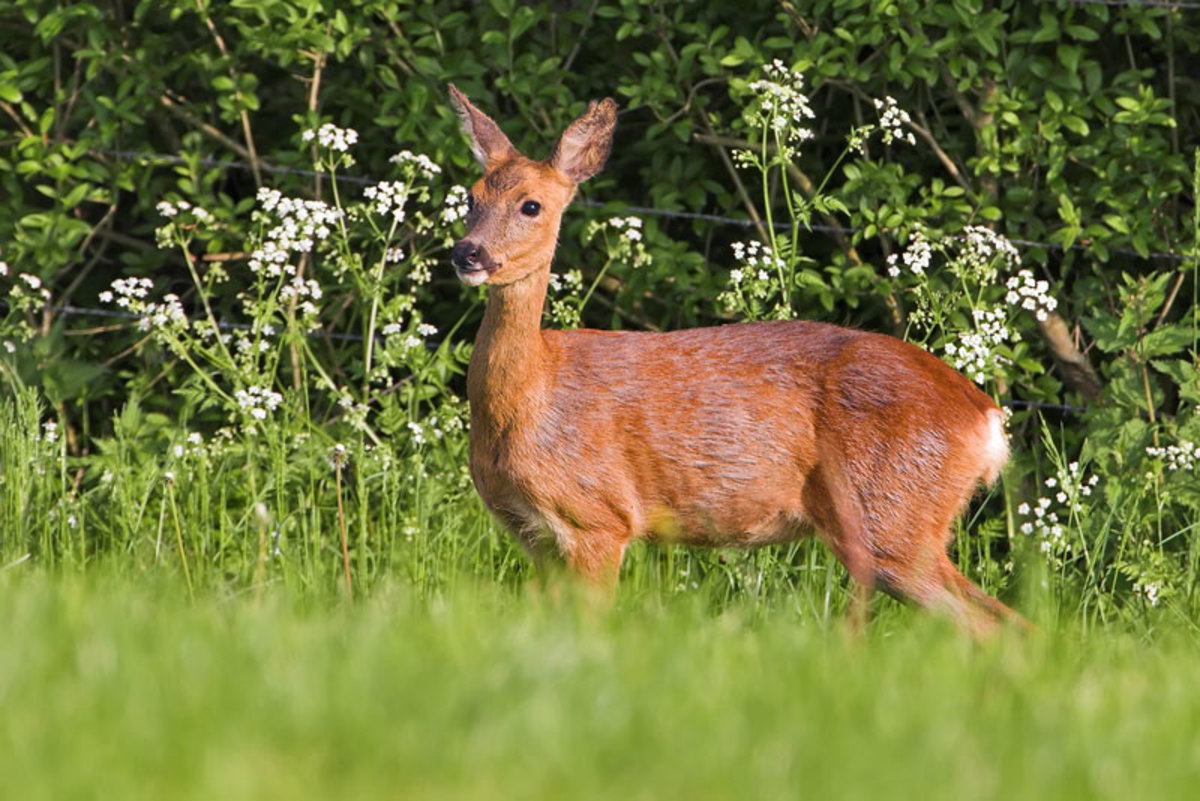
[388,197]
[916,257]
[1030,294]
[257,402]
[1044,519]
[456,207]
[332,137]
[421,163]
[892,120]
[975,352]
[780,103]
[1182,457]
[299,225]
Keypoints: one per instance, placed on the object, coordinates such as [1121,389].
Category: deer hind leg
[930,580]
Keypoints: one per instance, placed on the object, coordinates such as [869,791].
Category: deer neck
[508,365]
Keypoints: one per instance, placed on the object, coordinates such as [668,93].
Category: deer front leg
[595,556]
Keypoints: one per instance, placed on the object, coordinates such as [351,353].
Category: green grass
[120,688]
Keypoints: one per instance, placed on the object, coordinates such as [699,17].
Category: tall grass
[241,518]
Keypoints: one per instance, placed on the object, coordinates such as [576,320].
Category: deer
[736,435]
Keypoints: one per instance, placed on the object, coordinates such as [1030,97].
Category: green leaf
[1166,339]
[1075,124]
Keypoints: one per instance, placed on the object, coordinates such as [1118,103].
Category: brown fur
[582,441]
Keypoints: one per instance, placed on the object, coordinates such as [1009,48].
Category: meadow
[125,688]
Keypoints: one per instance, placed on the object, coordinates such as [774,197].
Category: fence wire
[649,211]
[1162,4]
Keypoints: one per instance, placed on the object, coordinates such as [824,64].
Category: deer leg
[932,581]
[836,511]
[594,555]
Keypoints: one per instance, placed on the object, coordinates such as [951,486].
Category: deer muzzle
[471,262]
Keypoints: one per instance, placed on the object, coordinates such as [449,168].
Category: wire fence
[649,211]
[1158,4]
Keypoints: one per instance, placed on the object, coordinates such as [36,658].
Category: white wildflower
[299,225]
[1030,294]
[332,137]
[781,103]
[976,352]
[456,207]
[1181,457]
[892,120]
[258,402]
[420,162]
[388,197]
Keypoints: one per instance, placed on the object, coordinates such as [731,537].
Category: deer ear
[585,145]
[488,142]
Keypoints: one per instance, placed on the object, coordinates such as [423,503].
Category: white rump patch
[995,446]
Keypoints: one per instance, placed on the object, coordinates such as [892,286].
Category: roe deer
[737,435]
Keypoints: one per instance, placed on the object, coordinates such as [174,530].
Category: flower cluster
[419,162]
[756,256]
[1148,589]
[627,247]
[413,339]
[388,197]
[338,456]
[892,120]
[983,248]
[257,402]
[632,227]
[131,294]
[564,309]
[1181,457]
[332,137]
[916,256]
[1044,518]
[456,207]
[1030,294]
[127,291]
[304,292]
[28,293]
[781,103]
[195,440]
[171,210]
[754,280]
[300,224]
[976,352]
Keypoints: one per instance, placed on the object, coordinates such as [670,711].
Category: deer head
[516,207]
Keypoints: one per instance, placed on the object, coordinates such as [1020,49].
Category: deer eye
[470,202]
[530,208]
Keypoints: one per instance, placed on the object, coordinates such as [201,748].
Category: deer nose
[465,255]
